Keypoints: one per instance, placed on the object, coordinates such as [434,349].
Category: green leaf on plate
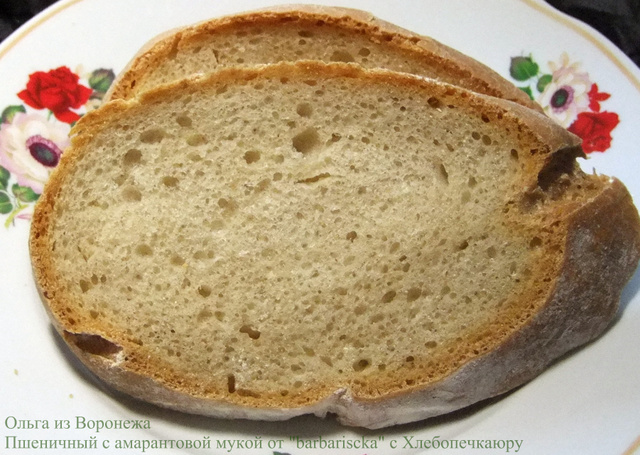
[101,79]
[543,82]
[4,178]
[528,91]
[10,111]
[5,203]
[523,68]
[24,193]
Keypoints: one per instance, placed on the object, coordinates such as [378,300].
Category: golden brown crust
[599,236]
[456,68]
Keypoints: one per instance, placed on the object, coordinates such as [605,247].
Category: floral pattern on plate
[33,135]
[569,96]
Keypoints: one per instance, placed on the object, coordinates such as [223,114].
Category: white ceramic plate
[587,403]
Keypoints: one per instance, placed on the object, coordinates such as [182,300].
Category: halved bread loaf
[319,238]
[304,32]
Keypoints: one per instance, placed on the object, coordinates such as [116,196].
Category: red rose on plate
[595,130]
[595,97]
[57,90]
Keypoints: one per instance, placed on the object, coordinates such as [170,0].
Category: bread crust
[600,238]
[456,67]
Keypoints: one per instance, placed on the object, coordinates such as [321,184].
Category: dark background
[619,20]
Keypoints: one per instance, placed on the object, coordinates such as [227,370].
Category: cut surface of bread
[305,32]
[320,238]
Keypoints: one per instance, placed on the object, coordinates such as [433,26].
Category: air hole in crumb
[434,102]
[388,296]
[252,156]
[152,136]
[315,178]
[93,344]
[132,157]
[184,121]
[204,290]
[195,156]
[176,259]
[170,182]
[360,309]
[196,139]
[304,109]
[84,285]
[306,141]
[443,174]
[231,383]
[253,333]
[491,252]
[351,236]
[361,364]
[364,52]
[204,314]
[413,294]
[143,250]
[535,242]
[229,206]
[247,393]
[342,56]
[514,154]
[131,194]
[326,360]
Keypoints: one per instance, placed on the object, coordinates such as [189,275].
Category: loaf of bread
[321,238]
[305,32]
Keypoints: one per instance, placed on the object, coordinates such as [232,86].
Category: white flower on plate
[568,92]
[31,146]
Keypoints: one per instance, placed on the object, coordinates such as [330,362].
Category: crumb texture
[321,34]
[274,237]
